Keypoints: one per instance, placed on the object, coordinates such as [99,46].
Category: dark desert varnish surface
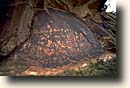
[57,39]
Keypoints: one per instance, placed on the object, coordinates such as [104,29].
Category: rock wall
[16,21]
[17,28]
[18,14]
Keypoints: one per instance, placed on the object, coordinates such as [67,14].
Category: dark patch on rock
[58,38]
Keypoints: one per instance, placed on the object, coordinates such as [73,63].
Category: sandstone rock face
[104,27]
[79,7]
[18,28]
[53,34]
[57,39]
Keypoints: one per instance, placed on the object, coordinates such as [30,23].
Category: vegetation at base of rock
[101,68]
